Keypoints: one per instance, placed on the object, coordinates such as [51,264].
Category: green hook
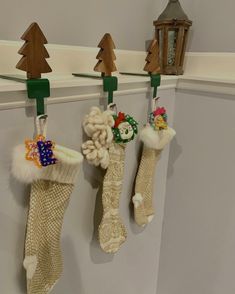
[38,89]
[110,84]
[155,83]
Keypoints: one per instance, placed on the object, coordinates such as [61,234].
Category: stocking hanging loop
[112,107]
[155,103]
[41,125]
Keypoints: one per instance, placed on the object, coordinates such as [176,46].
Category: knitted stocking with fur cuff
[154,142]
[51,188]
[109,132]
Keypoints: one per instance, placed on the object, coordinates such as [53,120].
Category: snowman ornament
[125,128]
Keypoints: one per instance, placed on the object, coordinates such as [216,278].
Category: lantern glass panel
[172,42]
[183,47]
[160,42]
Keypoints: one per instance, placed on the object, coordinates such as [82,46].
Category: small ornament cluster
[40,151]
[125,128]
[158,119]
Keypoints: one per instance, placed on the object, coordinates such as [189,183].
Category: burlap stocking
[112,232]
[154,142]
[50,193]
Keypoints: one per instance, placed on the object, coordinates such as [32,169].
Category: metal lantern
[172,28]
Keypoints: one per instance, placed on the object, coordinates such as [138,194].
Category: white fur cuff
[24,170]
[67,167]
[156,139]
[64,171]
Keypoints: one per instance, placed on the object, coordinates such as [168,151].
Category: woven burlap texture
[48,202]
[143,199]
[112,232]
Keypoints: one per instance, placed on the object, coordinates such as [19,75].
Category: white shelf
[205,72]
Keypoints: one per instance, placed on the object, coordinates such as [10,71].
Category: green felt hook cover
[38,89]
[110,84]
[155,80]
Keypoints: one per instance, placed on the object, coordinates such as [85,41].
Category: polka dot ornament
[40,151]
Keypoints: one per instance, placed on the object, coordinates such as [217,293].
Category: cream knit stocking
[154,142]
[143,199]
[112,232]
[50,193]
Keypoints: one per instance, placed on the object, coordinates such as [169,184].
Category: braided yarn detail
[98,126]
[112,232]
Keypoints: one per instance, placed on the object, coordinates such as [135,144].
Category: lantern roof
[173,10]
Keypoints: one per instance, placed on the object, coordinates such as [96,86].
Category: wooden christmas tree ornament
[152,65]
[34,53]
[34,64]
[105,66]
[106,56]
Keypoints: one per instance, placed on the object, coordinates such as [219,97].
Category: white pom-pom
[30,264]
[137,200]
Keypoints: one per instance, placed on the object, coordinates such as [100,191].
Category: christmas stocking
[51,188]
[112,232]
[155,136]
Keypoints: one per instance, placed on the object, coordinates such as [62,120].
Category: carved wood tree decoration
[153,63]
[106,56]
[34,53]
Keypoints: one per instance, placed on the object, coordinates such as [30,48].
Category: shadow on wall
[21,195]
[21,192]
[175,152]
[70,281]
[15,250]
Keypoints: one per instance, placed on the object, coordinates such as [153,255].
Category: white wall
[77,22]
[87,270]
[213,24]
[198,240]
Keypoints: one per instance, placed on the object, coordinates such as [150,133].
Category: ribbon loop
[41,125]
